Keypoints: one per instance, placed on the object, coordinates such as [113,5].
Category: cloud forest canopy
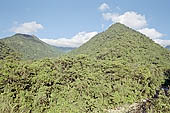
[115,68]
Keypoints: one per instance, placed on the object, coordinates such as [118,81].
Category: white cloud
[130,19]
[138,22]
[28,27]
[152,33]
[75,41]
[163,43]
[104,7]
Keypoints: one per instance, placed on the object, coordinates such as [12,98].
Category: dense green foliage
[75,85]
[31,47]
[7,53]
[133,48]
[116,68]
[121,42]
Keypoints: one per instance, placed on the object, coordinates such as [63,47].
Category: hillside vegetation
[79,84]
[31,47]
[7,53]
[116,68]
[123,43]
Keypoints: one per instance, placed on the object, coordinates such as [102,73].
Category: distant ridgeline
[66,49]
[168,47]
[31,47]
[113,70]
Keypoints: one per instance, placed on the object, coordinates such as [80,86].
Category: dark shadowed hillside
[31,47]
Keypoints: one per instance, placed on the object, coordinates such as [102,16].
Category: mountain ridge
[122,42]
[30,46]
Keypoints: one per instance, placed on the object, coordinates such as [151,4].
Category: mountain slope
[6,52]
[30,46]
[121,42]
[119,69]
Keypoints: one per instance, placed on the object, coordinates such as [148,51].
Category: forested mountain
[121,42]
[113,70]
[30,46]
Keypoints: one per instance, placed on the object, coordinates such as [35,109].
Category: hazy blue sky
[74,19]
